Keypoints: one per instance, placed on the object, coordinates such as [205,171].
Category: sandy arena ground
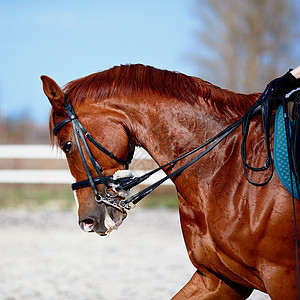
[45,255]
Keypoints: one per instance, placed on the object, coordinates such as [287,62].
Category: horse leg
[205,287]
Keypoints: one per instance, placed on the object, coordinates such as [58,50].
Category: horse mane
[130,80]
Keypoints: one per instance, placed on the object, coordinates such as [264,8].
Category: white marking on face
[76,200]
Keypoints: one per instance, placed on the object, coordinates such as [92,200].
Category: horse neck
[168,129]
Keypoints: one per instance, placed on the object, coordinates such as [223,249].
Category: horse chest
[206,247]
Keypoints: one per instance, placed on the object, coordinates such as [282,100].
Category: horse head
[106,124]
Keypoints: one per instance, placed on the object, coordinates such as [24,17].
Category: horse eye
[67,147]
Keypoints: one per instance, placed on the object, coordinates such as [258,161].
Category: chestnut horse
[238,236]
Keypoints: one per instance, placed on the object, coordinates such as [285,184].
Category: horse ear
[54,94]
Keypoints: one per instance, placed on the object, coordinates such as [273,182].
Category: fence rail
[59,176]
[47,152]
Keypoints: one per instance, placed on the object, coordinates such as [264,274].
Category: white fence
[59,176]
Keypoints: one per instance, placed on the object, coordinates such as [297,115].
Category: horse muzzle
[104,221]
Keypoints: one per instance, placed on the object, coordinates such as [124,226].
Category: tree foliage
[245,44]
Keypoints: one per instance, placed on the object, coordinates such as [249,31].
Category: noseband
[81,134]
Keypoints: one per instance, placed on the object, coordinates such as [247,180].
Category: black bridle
[265,104]
[126,183]
[81,134]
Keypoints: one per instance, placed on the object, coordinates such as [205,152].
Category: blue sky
[70,39]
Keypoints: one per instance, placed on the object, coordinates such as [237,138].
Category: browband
[59,126]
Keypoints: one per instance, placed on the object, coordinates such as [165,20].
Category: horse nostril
[87,225]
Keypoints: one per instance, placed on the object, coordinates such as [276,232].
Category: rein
[262,104]
[126,183]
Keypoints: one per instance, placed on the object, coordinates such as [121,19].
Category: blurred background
[239,45]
